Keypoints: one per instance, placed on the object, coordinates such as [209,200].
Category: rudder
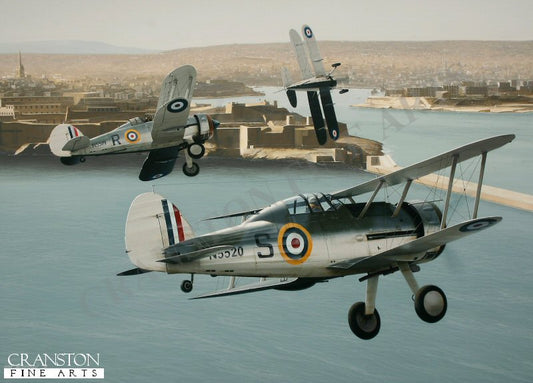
[152,225]
[65,139]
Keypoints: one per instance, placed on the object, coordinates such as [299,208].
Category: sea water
[62,243]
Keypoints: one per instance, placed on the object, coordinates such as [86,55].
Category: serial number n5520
[233,252]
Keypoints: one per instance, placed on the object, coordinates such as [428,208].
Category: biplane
[310,238]
[170,130]
[318,84]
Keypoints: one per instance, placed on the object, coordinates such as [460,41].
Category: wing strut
[479,183]
[404,194]
[449,192]
[367,206]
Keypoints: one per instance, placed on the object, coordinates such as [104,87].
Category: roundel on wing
[478,225]
[295,243]
[177,105]
[132,136]
[308,32]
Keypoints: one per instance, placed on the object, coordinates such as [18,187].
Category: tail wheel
[186,286]
[430,303]
[191,171]
[196,151]
[362,325]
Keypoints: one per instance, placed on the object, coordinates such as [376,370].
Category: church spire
[20,71]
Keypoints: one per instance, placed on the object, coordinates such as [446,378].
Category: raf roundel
[295,243]
[478,225]
[132,136]
[177,105]
[308,32]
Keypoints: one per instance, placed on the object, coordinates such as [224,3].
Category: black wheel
[191,171]
[196,151]
[430,303]
[362,325]
[82,159]
[186,286]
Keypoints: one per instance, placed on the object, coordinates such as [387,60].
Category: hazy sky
[171,24]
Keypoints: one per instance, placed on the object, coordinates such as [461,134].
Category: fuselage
[314,83]
[304,235]
[135,136]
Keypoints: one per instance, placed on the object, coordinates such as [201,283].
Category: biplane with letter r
[310,238]
[318,84]
[170,130]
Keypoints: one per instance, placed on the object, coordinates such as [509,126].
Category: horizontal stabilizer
[262,285]
[195,255]
[135,271]
[429,166]
[412,251]
[77,143]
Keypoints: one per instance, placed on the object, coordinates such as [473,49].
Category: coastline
[427,103]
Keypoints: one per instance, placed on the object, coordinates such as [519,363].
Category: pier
[385,164]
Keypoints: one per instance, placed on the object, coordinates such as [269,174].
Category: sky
[174,24]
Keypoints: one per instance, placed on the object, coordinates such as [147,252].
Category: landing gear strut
[430,301]
[430,304]
[190,168]
[363,317]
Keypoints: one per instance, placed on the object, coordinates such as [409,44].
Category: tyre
[430,303]
[191,171]
[362,325]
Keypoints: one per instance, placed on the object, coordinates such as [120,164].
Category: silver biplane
[170,130]
[311,238]
[319,83]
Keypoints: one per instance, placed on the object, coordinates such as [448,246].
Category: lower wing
[159,163]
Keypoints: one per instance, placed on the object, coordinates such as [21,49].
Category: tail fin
[66,138]
[153,224]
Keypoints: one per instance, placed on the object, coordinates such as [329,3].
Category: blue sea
[62,243]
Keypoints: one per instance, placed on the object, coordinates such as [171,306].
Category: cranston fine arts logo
[64,365]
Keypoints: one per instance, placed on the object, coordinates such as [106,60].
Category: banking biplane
[297,242]
[315,82]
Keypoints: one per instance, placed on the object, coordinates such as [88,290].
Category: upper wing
[428,166]
[312,48]
[174,101]
[301,57]
[412,251]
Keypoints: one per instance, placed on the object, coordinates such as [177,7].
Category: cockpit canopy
[311,203]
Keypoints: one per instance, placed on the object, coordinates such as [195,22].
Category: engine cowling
[427,217]
[206,127]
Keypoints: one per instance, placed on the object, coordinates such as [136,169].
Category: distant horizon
[16,47]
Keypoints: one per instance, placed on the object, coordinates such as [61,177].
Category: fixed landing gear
[186,285]
[191,171]
[190,168]
[363,325]
[196,151]
[430,305]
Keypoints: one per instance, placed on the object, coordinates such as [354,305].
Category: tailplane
[65,139]
[153,224]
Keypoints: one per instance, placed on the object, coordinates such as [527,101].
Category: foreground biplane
[170,131]
[320,83]
[311,238]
